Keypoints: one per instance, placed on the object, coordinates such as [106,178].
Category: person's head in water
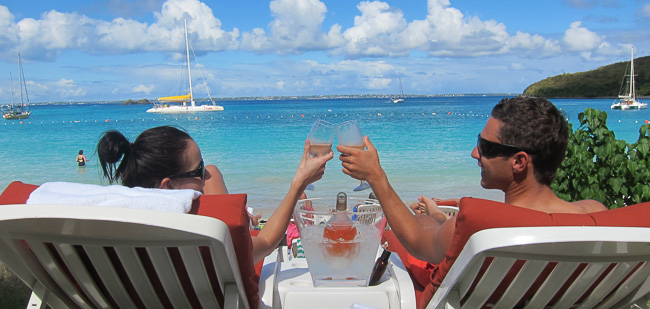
[161,157]
[81,152]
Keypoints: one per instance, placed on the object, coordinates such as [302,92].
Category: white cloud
[645,11]
[67,88]
[578,38]
[55,32]
[517,66]
[379,83]
[526,41]
[142,88]
[376,32]
[379,30]
[585,4]
[295,29]
[280,84]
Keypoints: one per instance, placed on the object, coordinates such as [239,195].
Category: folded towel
[68,193]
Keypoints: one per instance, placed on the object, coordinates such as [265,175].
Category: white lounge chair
[449,210]
[89,257]
[592,267]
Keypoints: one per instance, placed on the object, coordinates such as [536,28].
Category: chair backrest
[367,214]
[567,267]
[106,257]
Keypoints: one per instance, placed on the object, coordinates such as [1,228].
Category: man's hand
[361,164]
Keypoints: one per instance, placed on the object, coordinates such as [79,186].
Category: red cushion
[16,193]
[478,214]
[229,208]
[260,264]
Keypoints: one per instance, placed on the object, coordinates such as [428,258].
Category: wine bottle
[340,232]
[379,268]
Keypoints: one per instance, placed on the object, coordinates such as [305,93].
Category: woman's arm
[310,169]
[215,183]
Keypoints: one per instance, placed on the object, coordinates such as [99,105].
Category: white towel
[68,193]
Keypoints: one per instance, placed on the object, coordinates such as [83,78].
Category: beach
[424,143]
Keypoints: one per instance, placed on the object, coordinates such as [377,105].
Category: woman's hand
[310,168]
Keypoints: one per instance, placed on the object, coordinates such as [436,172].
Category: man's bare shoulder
[588,206]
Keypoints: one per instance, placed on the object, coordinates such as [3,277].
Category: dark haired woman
[81,159]
[168,158]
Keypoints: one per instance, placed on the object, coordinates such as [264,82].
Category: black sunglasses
[199,172]
[491,149]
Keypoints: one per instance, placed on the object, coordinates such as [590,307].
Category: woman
[81,159]
[168,158]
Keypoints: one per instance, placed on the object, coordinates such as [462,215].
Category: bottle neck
[385,255]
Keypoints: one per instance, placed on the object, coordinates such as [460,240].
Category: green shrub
[598,166]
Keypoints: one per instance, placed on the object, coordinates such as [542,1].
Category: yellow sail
[177,98]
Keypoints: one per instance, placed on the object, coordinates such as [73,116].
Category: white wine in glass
[321,137]
[349,134]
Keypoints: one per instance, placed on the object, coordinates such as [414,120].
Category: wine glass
[349,134]
[320,138]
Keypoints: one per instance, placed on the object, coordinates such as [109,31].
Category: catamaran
[628,99]
[15,111]
[400,97]
[163,105]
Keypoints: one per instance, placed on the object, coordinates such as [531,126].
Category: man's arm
[425,237]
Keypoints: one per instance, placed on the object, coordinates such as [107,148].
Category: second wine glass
[321,137]
[349,134]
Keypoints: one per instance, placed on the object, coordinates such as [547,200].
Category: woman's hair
[81,152]
[156,153]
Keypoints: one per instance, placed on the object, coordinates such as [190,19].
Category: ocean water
[424,144]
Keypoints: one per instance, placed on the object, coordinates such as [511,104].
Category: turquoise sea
[424,143]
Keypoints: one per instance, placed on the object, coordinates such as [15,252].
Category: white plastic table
[288,284]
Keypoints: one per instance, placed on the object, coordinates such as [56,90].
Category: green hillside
[602,82]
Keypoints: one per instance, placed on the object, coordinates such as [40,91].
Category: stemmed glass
[349,134]
[320,138]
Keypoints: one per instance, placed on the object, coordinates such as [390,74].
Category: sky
[95,50]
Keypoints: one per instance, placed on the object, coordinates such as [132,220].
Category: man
[519,150]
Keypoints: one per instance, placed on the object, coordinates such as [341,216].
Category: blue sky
[78,50]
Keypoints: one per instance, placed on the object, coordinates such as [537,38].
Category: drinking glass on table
[349,134]
[320,138]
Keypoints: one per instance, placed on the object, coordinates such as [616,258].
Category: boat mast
[189,73]
[632,90]
[20,81]
[11,83]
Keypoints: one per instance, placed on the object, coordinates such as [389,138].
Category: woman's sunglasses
[491,149]
[199,172]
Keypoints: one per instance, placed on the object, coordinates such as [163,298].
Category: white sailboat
[627,100]
[15,111]
[164,107]
[400,97]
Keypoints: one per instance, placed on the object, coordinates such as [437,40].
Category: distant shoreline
[276,98]
[319,97]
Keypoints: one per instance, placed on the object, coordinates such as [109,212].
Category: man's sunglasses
[199,172]
[491,149]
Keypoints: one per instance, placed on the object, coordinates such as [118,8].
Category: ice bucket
[340,264]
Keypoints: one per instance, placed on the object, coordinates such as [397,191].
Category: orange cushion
[396,247]
[16,193]
[478,214]
[229,208]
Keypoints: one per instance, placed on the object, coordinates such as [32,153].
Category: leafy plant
[598,166]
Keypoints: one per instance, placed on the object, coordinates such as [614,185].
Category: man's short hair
[534,124]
